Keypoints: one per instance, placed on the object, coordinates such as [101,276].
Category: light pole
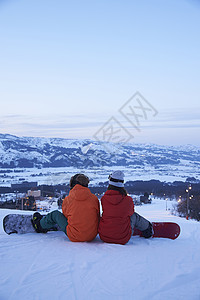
[16,199]
[22,203]
[188,197]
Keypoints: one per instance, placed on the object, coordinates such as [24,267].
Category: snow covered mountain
[29,152]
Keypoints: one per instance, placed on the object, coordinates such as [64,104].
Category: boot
[36,223]
[148,232]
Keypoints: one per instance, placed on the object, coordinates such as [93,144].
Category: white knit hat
[116,178]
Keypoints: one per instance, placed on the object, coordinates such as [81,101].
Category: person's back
[81,208]
[118,218]
[80,217]
[114,226]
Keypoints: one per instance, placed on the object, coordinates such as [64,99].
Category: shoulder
[129,198]
[94,197]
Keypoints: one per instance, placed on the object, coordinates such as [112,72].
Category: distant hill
[29,152]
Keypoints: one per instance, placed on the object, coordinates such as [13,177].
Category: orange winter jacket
[81,208]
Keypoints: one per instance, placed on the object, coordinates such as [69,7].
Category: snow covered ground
[62,175]
[49,266]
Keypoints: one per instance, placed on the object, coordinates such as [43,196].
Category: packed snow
[62,175]
[49,266]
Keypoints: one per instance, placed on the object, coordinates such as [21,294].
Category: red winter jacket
[114,226]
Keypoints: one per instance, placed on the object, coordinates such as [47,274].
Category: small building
[145,199]
[35,193]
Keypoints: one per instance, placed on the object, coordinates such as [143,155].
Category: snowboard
[167,230]
[21,224]
[17,223]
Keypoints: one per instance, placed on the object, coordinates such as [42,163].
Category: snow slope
[49,266]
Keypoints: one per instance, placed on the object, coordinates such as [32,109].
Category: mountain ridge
[29,152]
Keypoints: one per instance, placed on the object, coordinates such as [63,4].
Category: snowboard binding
[36,223]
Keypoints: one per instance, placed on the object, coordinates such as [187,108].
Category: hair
[119,189]
[79,179]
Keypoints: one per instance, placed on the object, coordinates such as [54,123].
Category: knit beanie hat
[116,178]
[79,179]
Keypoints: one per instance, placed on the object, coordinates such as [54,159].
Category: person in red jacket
[81,213]
[119,218]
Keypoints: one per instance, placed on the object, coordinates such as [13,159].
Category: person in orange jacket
[119,218]
[81,213]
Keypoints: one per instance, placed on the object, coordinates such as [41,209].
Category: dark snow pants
[53,218]
[139,222]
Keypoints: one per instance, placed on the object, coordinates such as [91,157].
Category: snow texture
[49,266]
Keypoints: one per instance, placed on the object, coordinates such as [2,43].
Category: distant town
[34,197]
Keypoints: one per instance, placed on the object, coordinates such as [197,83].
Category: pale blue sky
[66,67]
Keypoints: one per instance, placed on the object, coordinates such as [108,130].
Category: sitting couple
[81,221]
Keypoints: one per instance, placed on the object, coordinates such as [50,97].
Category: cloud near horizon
[160,129]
